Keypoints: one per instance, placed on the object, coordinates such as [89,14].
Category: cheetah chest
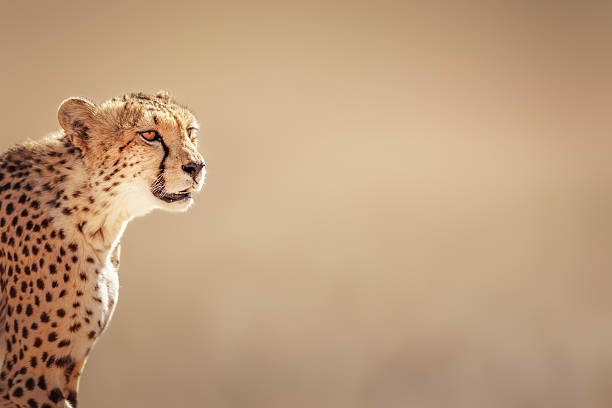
[83,302]
[97,304]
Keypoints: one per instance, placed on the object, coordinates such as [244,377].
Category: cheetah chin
[64,204]
[174,197]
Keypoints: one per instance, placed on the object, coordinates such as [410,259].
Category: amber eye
[192,132]
[150,135]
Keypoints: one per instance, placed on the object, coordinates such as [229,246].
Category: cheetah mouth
[174,197]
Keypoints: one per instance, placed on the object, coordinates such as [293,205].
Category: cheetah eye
[192,132]
[150,135]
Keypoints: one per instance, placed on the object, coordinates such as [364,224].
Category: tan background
[406,205]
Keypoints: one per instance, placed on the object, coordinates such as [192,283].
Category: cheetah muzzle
[64,204]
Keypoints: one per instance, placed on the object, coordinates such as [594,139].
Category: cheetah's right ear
[75,115]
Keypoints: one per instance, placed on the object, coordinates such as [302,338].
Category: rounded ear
[75,115]
[164,95]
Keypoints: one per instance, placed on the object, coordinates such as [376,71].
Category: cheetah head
[141,147]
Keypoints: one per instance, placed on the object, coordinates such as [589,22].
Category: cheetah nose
[193,169]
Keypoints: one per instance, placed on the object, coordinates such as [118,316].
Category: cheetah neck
[85,202]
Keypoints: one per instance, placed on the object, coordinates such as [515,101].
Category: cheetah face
[145,146]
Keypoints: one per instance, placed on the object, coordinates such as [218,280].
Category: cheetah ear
[75,115]
[164,95]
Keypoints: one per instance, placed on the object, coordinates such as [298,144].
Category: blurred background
[407,204]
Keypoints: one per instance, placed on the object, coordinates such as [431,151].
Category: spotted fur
[64,203]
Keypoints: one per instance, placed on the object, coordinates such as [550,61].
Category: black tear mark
[162,166]
[158,185]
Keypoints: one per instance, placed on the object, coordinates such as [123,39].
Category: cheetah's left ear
[75,115]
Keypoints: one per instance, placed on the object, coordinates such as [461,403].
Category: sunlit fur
[64,203]
[116,123]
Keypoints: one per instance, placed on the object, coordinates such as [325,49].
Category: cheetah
[64,203]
